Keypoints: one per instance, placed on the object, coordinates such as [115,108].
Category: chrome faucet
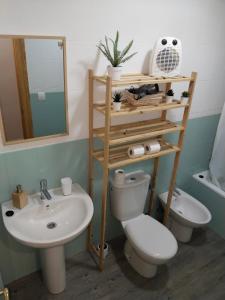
[44,190]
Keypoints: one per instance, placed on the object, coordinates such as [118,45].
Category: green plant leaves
[106,52]
[126,49]
[117,96]
[117,57]
[128,57]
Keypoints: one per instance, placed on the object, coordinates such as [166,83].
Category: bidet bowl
[186,213]
[49,224]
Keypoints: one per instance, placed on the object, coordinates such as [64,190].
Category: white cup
[66,184]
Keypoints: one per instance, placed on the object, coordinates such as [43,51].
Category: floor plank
[196,273]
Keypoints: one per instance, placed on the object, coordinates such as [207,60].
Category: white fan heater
[166,57]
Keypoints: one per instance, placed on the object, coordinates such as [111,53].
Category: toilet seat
[150,239]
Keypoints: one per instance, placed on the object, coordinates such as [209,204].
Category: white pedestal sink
[48,225]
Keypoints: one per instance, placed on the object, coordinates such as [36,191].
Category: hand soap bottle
[19,197]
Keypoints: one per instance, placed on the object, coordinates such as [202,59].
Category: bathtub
[204,178]
[213,198]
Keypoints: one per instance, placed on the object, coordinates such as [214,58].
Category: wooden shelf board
[137,131]
[141,79]
[127,109]
[118,156]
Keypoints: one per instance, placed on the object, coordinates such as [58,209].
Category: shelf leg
[153,184]
[105,169]
[103,221]
[180,145]
[164,112]
[90,151]
[171,188]
[156,162]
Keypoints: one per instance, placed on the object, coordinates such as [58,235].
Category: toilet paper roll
[152,147]
[136,151]
[119,176]
[106,249]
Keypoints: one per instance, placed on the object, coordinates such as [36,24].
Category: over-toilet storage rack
[116,139]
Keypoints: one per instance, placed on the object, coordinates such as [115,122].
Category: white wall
[44,65]
[199,24]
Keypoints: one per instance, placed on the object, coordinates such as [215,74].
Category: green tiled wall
[27,167]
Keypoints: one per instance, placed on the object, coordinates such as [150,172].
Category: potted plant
[115,56]
[169,96]
[117,101]
[184,96]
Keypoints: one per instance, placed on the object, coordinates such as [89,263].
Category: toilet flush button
[131,179]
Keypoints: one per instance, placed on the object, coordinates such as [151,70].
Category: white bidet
[186,213]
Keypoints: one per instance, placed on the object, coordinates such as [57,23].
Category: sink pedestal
[48,226]
[53,268]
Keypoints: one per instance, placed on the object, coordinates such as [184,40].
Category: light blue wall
[48,116]
[27,167]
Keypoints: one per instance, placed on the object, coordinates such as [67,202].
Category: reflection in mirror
[32,87]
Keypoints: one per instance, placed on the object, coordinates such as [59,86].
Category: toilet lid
[151,239]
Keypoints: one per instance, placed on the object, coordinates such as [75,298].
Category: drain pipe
[3,291]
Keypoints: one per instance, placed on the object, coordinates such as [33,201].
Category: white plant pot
[114,72]
[116,106]
[184,99]
[169,99]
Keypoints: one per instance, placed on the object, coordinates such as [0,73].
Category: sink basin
[49,224]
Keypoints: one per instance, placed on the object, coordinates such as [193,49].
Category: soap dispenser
[19,197]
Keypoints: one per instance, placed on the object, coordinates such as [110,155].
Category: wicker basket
[146,100]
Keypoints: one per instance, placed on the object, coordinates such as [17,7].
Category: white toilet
[186,214]
[149,243]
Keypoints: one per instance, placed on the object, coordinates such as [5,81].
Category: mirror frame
[2,128]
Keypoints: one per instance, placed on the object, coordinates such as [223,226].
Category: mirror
[33,95]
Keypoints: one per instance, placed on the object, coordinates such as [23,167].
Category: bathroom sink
[48,225]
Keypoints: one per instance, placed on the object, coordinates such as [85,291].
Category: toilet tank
[128,199]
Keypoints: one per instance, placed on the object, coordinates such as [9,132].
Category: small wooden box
[19,199]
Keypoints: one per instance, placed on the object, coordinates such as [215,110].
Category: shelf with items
[127,109]
[118,138]
[133,132]
[118,156]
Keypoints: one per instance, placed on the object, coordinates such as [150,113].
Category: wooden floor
[196,273]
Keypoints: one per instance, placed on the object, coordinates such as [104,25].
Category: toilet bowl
[186,213]
[149,243]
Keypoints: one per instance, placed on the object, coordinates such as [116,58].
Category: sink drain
[51,225]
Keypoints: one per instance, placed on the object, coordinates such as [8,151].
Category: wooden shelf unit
[117,139]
